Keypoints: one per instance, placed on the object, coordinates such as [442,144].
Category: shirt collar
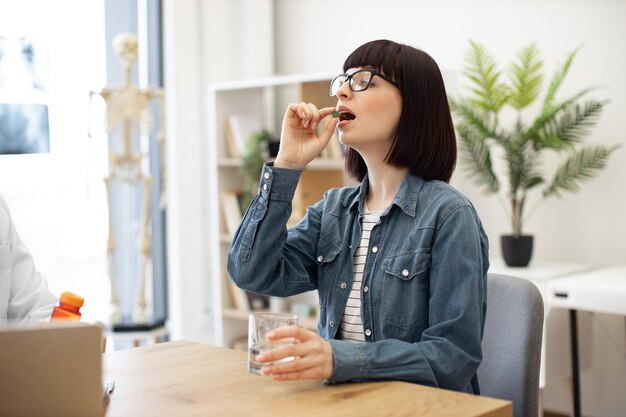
[406,198]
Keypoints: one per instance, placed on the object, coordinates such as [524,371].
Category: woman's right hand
[299,144]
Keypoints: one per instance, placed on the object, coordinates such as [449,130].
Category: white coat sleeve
[24,294]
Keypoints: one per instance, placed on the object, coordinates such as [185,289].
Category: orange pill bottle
[68,308]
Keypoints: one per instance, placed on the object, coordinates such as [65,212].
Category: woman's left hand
[313,355]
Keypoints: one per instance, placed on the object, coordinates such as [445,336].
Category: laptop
[51,369]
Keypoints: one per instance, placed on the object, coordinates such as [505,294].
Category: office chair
[512,343]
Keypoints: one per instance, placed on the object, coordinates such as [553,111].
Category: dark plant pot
[517,251]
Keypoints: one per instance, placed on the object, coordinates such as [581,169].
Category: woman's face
[376,112]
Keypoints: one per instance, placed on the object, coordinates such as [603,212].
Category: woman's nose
[344,90]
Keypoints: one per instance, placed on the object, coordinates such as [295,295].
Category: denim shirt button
[375,249]
[331,323]
[368,332]
[320,259]
[405,273]
[264,187]
[266,175]
[366,288]
[343,285]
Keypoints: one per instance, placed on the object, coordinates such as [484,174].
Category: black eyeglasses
[357,81]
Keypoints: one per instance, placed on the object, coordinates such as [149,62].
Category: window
[57,199]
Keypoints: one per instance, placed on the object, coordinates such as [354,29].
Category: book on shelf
[231,210]
[238,129]
[237,295]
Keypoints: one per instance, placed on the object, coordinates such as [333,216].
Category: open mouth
[345,115]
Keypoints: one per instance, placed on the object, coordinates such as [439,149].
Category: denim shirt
[424,283]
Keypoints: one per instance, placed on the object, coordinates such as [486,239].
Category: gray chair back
[512,343]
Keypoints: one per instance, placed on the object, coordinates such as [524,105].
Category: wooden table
[191,379]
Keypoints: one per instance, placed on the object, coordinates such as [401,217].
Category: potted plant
[493,121]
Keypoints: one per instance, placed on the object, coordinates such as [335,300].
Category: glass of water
[259,325]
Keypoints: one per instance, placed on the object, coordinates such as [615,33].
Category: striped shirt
[351,327]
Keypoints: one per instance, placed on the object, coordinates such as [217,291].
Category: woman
[400,261]
[24,294]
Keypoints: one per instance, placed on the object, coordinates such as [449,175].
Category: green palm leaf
[574,124]
[481,69]
[526,77]
[548,116]
[482,122]
[477,156]
[557,79]
[582,165]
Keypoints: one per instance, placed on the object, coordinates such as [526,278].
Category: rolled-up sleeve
[264,256]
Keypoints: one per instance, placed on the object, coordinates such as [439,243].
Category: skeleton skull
[125,46]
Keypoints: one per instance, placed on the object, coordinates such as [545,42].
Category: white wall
[214,40]
[57,199]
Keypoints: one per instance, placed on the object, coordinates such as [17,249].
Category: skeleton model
[128,114]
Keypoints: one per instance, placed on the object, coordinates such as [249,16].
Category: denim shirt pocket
[326,255]
[405,289]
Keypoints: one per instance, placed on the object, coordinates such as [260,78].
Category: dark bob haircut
[425,141]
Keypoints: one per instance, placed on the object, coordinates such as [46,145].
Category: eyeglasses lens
[358,81]
[336,83]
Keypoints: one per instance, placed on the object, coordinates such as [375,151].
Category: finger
[295,365]
[303,358]
[303,110]
[296,332]
[305,113]
[292,109]
[310,366]
[293,373]
[296,349]
[329,131]
[326,111]
[310,373]
[315,115]
[298,110]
